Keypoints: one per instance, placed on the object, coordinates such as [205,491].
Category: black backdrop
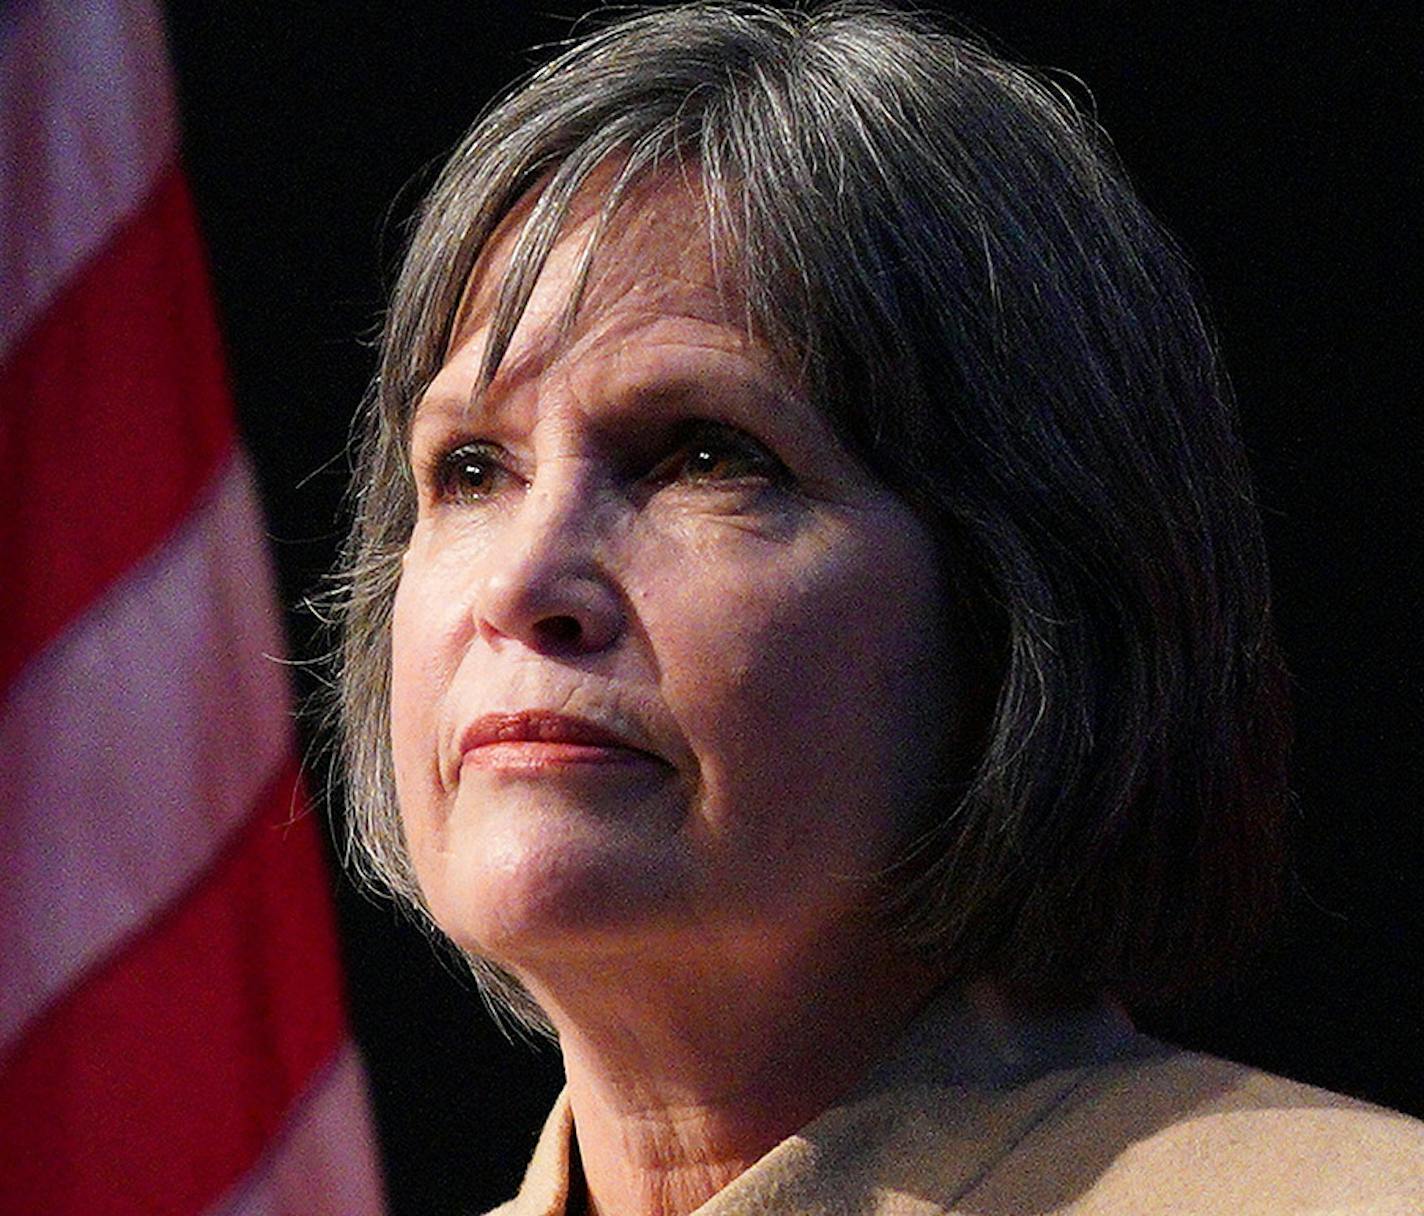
[1271,137]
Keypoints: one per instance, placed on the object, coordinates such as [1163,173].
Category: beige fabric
[977,1114]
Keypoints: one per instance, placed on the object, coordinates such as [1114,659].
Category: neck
[680,1078]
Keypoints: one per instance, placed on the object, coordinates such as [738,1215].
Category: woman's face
[668,664]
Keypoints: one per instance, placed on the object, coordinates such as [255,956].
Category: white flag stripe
[135,744]
[323,1162]
[80,148]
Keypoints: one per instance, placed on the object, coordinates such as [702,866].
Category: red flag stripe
[135,745]
[113,415]
[152,1088]
[319,1164]
[79,148]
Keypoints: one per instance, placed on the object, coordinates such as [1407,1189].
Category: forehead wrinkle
[619,296]
[605,223]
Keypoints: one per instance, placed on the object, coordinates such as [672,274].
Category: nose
[547,585]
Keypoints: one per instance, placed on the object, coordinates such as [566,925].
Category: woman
[807,640]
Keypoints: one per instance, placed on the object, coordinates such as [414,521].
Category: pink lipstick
[541,739]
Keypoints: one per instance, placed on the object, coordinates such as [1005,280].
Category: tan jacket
[978,1115]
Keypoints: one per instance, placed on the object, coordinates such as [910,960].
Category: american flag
[172,1030]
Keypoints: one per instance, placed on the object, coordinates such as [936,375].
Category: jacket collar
[966,1082]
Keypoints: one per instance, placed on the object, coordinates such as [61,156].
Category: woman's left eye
[714,453]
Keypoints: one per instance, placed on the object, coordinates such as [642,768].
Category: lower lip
[537,755]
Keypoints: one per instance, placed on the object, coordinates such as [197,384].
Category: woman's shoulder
[1164,1129]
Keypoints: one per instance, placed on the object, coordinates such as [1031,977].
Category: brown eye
[718,453]
[469,473]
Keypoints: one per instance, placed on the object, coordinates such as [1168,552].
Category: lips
[542,739]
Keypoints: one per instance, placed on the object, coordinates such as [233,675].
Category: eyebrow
[761,389]
[474,402]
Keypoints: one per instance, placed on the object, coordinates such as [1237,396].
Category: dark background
[1274,139]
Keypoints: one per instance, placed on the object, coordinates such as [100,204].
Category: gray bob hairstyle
[941,249]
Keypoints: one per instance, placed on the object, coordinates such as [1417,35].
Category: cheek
[422,649]
[850,658]
[810,688]
[408,695]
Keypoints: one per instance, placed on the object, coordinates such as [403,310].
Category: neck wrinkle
[665,1121]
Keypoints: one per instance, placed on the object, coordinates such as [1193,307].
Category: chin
[553,888]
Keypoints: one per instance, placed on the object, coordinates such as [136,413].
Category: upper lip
[544,726]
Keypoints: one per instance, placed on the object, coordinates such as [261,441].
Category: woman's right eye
[471,472]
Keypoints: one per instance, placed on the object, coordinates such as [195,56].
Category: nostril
[559,631]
